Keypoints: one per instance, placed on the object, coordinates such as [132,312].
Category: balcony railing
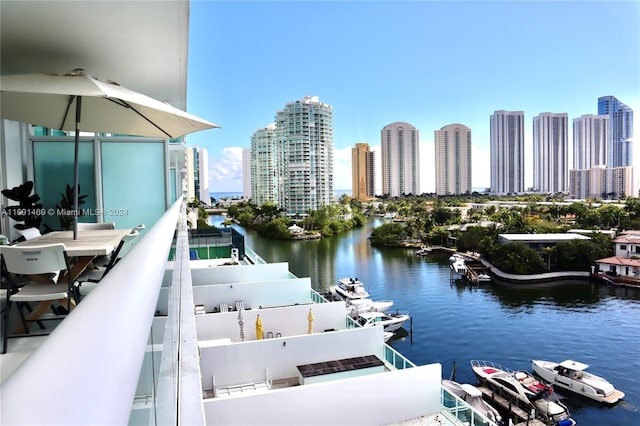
[87,370]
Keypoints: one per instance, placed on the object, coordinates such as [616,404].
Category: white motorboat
[423,251]
[458,266]
[390,322]
[571,375]
[483,278]
[526,391]
[472,396]
[388,335]
[356,307]
[350,289]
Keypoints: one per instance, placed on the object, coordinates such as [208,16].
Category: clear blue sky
[424,62]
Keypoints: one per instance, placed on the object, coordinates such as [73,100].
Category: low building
[539,242]
[625,264]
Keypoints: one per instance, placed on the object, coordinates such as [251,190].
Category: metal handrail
[86,371]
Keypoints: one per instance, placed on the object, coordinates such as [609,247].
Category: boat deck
[492,398]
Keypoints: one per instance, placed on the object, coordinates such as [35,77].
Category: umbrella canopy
[51,100]
[259,331]
[310,319]
[80,102]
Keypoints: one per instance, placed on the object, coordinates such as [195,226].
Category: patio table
[82,251]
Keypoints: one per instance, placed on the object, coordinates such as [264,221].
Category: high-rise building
[304,133]
[601,182]
[198,174]
[453,160]
[264,166]
[590,137]
[400,157]
[550,152]
[507,152]
[246,174]
[619,149]
[362,172]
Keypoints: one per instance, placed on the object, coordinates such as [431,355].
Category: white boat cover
[573,365]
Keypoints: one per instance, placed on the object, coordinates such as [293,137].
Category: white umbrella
[78,101]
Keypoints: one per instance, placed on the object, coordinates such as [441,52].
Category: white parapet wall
[253,294]
[206,272]
[238,363]
[375,399]
[286,321]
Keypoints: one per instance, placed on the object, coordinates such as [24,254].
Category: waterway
[501,323]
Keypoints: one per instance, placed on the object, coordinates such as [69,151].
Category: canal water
[501,323]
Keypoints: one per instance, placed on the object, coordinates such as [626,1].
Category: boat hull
[522,389]
[587,385]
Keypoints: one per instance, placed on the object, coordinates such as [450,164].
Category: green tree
[517,258]
[388,234]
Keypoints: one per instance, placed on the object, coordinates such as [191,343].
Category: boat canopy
[573,365]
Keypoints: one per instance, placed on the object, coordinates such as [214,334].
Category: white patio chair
[82,226]
[37,263]
[97,274]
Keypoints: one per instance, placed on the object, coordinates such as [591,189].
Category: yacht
[571,375]
[390,322]
[521,388]
[458,265]
[472,396]
[357,306]
[350,289]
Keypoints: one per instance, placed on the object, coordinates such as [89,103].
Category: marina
[455,322]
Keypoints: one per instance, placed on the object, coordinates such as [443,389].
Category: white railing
[179,385]
[87,370]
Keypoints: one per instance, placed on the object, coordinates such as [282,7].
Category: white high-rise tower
[550,152]
[453,160]
[400,159]
[507,152]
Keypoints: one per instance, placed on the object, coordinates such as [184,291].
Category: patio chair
[82,226]
[97,274]
[27,234]
[37,263]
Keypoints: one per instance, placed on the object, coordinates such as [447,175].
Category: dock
[474,268]
[519,416]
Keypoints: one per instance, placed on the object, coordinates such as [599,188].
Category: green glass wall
[53,170]
[133,182]
[174,184]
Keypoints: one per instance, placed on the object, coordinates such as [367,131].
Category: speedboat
[472,396]
[350,289]
[387,335]
[521,388]
[357,306]
[423,251]
[483,278]
[571,375]
[390,322]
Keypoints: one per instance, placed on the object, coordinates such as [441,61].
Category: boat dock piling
[516,413]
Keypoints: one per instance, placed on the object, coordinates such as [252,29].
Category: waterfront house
[624,265]
[158,342]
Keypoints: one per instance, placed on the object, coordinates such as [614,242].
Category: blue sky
[427,63]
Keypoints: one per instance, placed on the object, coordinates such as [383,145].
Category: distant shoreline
[239,194]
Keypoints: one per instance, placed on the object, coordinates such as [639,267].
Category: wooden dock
[519,416]
[474,267]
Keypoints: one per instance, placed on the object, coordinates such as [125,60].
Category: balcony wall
[281,356]
[383,398]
